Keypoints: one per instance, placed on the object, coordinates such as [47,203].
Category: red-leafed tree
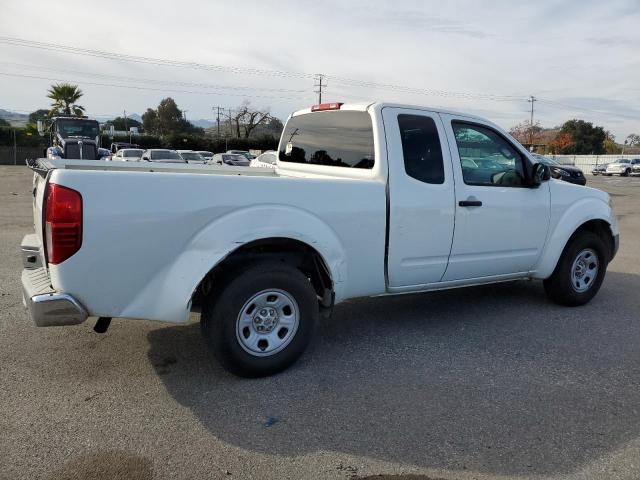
[561,143]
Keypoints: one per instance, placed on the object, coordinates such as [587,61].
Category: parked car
[244,153]
[229,159]
[162,155]
[206,154]
[191,157]
[115,146]
[568,173]
[599,169]
[347,213]
[265,160]
[128,155]
[621,167]
[635,166]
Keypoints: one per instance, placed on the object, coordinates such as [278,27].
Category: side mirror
[541,173]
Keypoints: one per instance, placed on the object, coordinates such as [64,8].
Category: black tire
[626,173]
[559,286]
[220,317]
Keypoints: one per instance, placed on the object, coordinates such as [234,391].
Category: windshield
[268,158]
[191,156]
[624,160]
[132,153]
[205,153]
[165,155]
[77,128]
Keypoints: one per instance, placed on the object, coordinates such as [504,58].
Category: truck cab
[75,138]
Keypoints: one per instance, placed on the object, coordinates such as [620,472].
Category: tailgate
[39,187]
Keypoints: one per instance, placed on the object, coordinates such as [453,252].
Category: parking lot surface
[486,382]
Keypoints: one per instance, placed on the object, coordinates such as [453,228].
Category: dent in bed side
[171,289]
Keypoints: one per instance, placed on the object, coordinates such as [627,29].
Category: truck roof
[364,106]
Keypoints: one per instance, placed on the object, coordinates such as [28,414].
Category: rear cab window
[341,138]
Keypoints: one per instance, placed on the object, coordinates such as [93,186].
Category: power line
[554,104]
[13,41]
[151,80]
[137,87]
[248,70]
[147,60]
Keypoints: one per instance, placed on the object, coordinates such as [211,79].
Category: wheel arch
[299,254]
[572,224]
[168,296]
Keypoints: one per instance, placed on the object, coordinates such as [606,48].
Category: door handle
[470,203]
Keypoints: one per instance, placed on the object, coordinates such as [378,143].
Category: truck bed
[44,165]
[152,231]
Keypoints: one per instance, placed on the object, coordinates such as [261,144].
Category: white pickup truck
[365,200]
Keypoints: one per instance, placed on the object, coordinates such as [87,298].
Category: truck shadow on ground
[491,379]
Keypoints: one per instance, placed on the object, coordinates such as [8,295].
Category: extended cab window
[333,138]
[487,158]
[421,148]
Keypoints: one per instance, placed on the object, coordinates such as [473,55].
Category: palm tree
[65,96]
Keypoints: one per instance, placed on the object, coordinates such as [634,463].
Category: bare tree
[633,139]
[246,119]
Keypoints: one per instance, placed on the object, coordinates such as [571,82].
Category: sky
[579,58]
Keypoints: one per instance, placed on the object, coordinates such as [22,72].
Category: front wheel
[580,271]
[262,321]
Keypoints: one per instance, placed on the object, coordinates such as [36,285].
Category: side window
[487,158]
[421,148]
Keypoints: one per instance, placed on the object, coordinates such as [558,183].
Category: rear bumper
[46,307]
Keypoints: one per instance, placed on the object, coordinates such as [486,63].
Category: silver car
[128,155]
[162,155]
[265,160]
[621,167]
[230,159]
[191,157]
[205,154]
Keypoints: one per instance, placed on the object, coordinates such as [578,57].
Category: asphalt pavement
[489,382]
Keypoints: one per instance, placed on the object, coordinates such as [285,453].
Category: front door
[500,222]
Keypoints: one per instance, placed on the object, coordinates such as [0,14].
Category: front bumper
[46,307]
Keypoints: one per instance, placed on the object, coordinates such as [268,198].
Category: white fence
[587,162]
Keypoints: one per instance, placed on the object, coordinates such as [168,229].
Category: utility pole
[218,108]
[531,100]
[15,147]
[126,129]
[319,77]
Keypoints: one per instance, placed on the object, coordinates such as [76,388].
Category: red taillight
[63,223]
[326,106]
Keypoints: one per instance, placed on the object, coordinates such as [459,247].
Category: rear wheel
[580,271]
[262,321]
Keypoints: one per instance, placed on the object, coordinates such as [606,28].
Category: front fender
[567,223]
[171,289]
